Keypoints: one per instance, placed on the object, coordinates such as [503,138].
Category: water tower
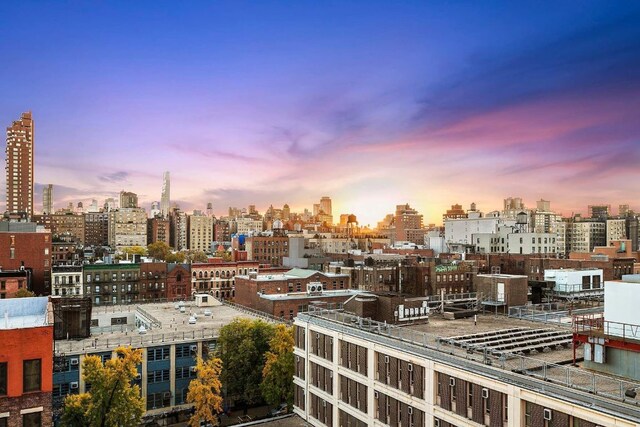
[522,222]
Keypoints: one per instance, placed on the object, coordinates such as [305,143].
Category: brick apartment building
[178,282]
[153,281]
[31,250]
[26,362]
[96,229]
[108,284]
[267,249]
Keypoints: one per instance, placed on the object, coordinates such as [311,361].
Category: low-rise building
[66,280]
[218,278]
[13,280]
[26,337]
[110,284]
[571,282]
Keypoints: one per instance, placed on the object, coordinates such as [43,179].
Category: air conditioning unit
[138,377]
[317,335]
[386,359]
[452,382]
[314,287]
[410,410]
[193,348]
[73,385]
[194,368]
[330,374]
[74,362]
[547,414]
[375,394]
[297,358]
[324,403]
[410,367]
[166,395]
[485,393]
[436,423]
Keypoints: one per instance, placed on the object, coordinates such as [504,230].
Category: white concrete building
[575,282]
[509,240]
[248,226]
[461,231]
[616,230]
[66,280]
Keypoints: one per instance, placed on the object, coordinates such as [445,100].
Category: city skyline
[266,104]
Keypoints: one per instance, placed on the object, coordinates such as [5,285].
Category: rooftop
[19,313]
[168,325]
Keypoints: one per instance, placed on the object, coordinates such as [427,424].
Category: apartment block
[28,250]
[200,233]
[110,284]
[127,227]
[351,371]
[66,280]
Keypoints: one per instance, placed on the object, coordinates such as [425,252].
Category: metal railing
[256,313]
[554,313]
[603,392]
[597,325]
[101,343]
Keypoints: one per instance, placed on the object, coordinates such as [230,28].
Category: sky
[372,103]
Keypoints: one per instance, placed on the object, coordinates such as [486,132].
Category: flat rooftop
[20,313]
[173,326]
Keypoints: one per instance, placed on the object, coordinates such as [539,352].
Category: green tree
[242,346]
[204,392]
[277,374]
[23,293]
[158,250]
[113,400]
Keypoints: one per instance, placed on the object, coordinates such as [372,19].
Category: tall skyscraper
[19,166]
[165,200]
[47,199]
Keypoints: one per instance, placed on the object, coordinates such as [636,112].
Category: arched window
[179,278]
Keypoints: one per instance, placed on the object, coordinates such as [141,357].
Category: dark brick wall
[14,405]
[34,251]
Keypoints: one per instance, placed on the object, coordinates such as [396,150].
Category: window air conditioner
[410,367]
[485,393]
[547,414]
[436,423]
[73,385]
[410,410]
[74,362]
[386,359]
[452,382]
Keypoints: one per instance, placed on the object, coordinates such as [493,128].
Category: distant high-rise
[19,165]
[165,200]
[47,199]
[128,200]
[325,205]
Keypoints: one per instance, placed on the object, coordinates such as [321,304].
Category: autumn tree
[23,293]
[113,400]
[242,346]
[204,392]
[277,374]
[196,256]
[134,250]
[158,250]
[177,257]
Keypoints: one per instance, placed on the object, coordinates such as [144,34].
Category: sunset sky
[372,103]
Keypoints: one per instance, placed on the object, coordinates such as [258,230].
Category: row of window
[114,276]
[31,376]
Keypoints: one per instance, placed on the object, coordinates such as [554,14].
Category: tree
[113,399]
[175,257]
[196,256]
[277,375]
[204,392]
[23,293]
[158,250]
[242,346]
[134,250]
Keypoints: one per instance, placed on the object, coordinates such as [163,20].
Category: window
[31,375]
[33,419]
[3,421]
[3,378]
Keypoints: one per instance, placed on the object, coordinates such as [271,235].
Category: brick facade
[33,252]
